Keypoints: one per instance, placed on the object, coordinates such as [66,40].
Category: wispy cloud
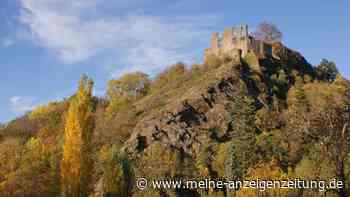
[21,105]
[77,31]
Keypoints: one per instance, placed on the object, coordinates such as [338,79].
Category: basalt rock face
[195,125]
[185,123]
[203,115]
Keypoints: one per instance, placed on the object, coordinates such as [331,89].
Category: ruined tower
[215,41]
[236,41]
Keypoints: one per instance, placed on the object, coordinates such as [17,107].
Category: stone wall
[237,38]
[215,41]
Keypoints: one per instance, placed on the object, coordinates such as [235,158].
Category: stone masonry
[236,42]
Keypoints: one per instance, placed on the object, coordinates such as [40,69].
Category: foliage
[76,161]
[204,161]
[297,98]
[170,75]
[233,166]
[266,171]
[327,70]
[125,90]
[42,111]
[273,124]
[268,32]
[163,162]
[133,85]
[33,172]
[10,155]
[117,175]
[242,155]
[116,105]
[252,60]
[213,61]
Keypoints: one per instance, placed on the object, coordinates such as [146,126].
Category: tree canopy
[268,32]
[327,70]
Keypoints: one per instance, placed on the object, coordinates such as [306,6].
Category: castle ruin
[236,42]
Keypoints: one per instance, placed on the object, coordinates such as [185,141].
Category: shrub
[115,105]
[213,61]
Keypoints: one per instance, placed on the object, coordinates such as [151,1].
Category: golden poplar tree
[76,161]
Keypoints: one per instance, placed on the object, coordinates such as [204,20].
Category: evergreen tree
[327,70]
[76,164]
[242,154]
[233,167]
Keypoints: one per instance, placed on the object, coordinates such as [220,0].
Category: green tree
[242,155]
[327,70]
[76,164]
[117,173]
[123,91]
[133,85]
[233,166]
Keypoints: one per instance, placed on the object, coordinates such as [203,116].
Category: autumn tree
[173,74]
[324,128]
[332,131]
[10,160]
[132,85]
[268,32]
[123,91]
[76,164]
[267,171]
[27,170]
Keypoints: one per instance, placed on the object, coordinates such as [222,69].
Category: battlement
[236,40]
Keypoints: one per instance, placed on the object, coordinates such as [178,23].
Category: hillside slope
[256,117]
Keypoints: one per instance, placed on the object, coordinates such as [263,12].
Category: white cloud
[20,104]
[77,31]
[6,42]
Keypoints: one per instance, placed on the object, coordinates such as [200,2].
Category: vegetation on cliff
[226,119]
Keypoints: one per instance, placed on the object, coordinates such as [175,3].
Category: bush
[213,61]
[252,60]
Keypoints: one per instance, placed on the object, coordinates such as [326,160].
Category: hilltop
[265,114]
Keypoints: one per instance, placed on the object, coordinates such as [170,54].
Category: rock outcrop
[183,123]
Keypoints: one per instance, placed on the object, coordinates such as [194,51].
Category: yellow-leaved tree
[76,161]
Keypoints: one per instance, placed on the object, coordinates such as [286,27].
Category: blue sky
[45,45]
